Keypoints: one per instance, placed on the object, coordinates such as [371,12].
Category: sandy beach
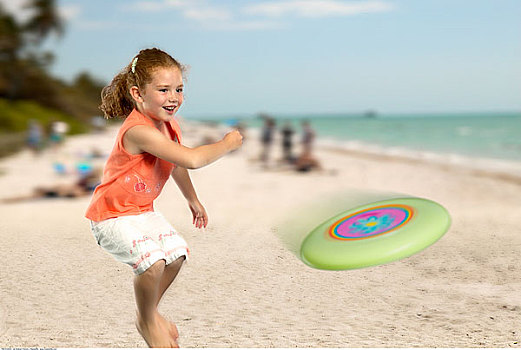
[242,286]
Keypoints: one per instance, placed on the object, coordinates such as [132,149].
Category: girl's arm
[182,179]
[141,138]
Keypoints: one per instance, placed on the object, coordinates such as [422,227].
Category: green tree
[11,42]
[24,64]
[44,21]
[10,36]
[23,73]
[84,95]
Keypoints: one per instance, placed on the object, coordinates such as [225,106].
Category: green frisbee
[375,233]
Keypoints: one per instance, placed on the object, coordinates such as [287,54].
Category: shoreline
[441,163]
[502,169]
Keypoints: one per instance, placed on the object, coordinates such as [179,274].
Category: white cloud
[69,12]
[208,16]
[99,25]
[258,16]
[205,14]
[155,6]
[191,9]
[198,10]
[146,6]
[316,8]
[16,8]
[243,25]
[13,6]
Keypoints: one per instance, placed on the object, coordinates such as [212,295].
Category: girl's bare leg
[169,274]
[167,278]
[149,323]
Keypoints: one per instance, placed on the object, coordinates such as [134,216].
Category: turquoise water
[493,135]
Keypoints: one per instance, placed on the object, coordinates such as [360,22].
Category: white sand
[242,287]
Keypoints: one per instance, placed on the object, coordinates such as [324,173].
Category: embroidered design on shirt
[140,186]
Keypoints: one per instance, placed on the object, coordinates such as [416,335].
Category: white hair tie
[134,62]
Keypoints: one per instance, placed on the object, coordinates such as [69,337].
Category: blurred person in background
[307,161]
[57,131]
[98,124]
[34,138]
[308,137]
[267,135]
[83,186]
[287,143]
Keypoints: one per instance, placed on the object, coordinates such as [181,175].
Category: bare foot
[172,328]
[155,334]
[169,326]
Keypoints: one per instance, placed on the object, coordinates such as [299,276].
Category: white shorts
[140,240]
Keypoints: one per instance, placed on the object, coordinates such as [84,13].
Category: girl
[148,149]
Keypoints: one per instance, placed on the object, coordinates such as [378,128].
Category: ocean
[486,138]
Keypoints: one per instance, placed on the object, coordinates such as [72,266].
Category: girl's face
[163,96]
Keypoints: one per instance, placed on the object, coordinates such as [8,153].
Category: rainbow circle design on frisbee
[371,222]
[375,233]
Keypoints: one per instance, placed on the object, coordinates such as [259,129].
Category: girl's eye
[179,90]
[163,90]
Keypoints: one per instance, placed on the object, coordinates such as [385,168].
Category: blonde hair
[116,100]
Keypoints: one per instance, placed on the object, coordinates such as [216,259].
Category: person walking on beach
[34,136]
[287,142]
[148,150]
[267,139]
[307,161]
[57,131]
[308,136]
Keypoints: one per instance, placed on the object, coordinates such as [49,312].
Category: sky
[291,57]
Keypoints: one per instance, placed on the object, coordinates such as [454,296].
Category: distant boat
[264,116]
[370,114]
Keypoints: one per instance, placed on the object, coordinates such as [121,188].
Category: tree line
[24,64]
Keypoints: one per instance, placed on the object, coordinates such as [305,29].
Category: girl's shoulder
[136,117]
[133,119]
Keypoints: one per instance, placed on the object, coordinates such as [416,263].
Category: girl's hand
[233,139]
[199,214]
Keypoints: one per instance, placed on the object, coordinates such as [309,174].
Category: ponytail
[115,97]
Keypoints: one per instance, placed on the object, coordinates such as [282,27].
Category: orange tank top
[131,182]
